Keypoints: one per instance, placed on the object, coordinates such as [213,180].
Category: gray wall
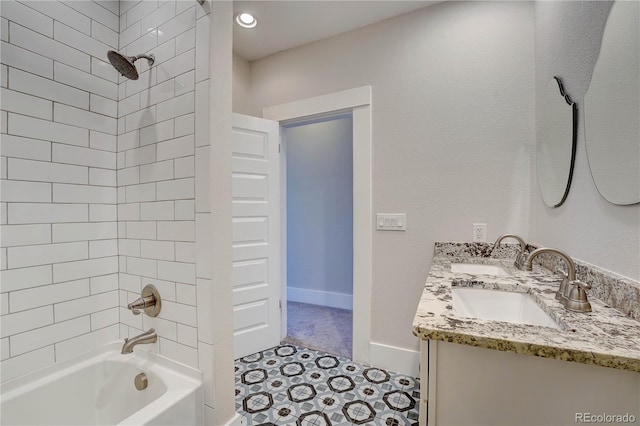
[454,132]
[568,37]
[453,127]
[320,206]
[242,102]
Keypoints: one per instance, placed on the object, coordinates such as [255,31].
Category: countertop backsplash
[619,292]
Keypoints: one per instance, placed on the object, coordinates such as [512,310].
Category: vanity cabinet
[466,385]
[479,370]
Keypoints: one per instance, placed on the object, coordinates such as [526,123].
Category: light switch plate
[391,221]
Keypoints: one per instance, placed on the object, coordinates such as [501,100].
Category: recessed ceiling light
[246,20]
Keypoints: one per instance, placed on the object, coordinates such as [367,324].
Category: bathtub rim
[191,379]
[102,352]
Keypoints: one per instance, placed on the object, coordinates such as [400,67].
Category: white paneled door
[256,234]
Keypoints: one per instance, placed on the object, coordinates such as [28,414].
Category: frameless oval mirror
[612,108]
[556,143]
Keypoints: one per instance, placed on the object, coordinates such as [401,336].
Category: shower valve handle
[141,303]
[149,302]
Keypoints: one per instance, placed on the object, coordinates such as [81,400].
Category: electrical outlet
[479,232]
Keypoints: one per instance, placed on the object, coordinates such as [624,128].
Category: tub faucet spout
[147,337]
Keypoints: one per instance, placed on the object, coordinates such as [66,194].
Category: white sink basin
[498,305]
[479,269]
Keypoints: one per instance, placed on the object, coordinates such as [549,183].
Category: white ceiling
[286,24]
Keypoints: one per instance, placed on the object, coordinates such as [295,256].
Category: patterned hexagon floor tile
[359,412]
[399,400]
[314,418]
[291,385]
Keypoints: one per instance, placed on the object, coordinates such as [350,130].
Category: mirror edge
[636,200]
[574,139]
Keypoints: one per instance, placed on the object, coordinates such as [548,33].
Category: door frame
[358,102]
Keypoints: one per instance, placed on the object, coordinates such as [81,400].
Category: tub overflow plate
[141,381]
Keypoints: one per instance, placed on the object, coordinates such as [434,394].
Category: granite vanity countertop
[604,337]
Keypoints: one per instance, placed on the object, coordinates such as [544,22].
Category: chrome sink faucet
[519,262]
[147,337]
[572,293]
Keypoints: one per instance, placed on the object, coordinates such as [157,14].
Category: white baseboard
[397,360]
[237,420]
[323,298]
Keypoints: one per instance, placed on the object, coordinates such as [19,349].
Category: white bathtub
[98,389]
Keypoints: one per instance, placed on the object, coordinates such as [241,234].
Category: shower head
[125,64]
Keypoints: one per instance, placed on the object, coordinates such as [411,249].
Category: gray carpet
[320,327]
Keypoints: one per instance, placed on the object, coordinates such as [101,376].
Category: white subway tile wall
[156,175]
[101,179]
[59,284]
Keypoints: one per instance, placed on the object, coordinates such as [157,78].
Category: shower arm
[150,58]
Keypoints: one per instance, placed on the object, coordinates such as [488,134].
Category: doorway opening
[318,163]
[357,103]
[259,219]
